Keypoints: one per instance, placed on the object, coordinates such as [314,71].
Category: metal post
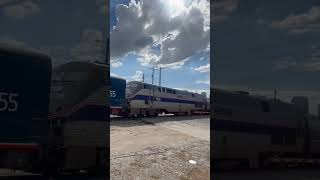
[160,76]
[152,74]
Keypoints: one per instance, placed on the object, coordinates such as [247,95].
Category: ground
[278,174]
[160,148]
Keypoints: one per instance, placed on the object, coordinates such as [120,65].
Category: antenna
[152,76]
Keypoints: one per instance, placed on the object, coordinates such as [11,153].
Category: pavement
[160,148]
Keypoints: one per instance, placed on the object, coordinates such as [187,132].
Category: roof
[78,65]
[6,48]
[165,87]
[118,78]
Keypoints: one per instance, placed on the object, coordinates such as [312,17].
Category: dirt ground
[157,149]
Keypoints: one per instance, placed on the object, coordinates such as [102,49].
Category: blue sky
[67,31]
[135,50]
[267,44]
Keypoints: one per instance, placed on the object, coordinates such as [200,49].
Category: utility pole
[142,77]
[152,74]
[160,76]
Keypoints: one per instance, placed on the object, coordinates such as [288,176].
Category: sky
[268,44]
[173,35]
[67,31]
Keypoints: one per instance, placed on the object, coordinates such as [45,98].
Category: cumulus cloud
[91,48]
[137,76]
[20,9]
[310,63]
[116,64]
[222,9]
[142,26]
[203,82]
[203,69]
[300,23]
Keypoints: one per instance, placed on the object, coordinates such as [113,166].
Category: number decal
[3,101]
[14,102]
[8,102]
[113,94]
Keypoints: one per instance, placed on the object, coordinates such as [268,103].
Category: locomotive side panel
[24,96]
[154,99]
[244,127]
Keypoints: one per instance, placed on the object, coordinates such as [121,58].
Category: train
[143,99]
[53,119]
[117,96]
[78,116]
[259,131]
[25,84]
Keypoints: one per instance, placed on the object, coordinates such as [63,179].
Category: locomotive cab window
[170,91]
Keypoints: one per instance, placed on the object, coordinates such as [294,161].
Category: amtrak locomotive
[257,130]
[143,99]
[147,99]
[77,116]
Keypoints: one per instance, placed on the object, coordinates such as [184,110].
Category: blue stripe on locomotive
[119,87]
[170,100]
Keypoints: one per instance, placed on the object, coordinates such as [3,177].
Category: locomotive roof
[164,87]
[6,48]
[257,97]
[78,65]
[114,77]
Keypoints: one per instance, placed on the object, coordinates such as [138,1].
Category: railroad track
[158,117]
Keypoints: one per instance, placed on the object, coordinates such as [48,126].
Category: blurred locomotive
[260,131]
[143,99]
[51,117]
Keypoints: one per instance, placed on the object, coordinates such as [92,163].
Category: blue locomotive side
[117,95]
[24,96]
